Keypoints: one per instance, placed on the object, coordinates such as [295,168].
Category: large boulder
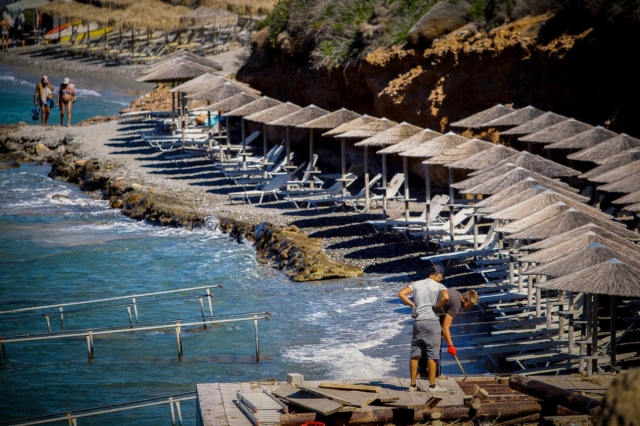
[441,19]
[620,404]
[523,8]
[43,151]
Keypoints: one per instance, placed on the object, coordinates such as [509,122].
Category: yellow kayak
[65,35]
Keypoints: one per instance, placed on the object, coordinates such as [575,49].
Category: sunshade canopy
[534,218]
[586,139]
[565,236]
[537,164]
[234,102]
[351,125]
[296,118]
[273,113]
[478,119]
[182,71]
[516,118]
[598,154]
[542,122]
[484,159]
[436,146]
[461,151]
[254,107]
[370,129]
[558,132]
[391,136]
[216,94]
[331,121]
[613,162]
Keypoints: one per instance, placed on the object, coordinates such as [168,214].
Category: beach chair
[488,247]
[443,228]
[390,192]
[437,204]
[238,175]
[270,189]
[306,179]
[299,197]
[337,200]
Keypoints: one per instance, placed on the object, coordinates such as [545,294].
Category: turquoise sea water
[102,95]
[59,245]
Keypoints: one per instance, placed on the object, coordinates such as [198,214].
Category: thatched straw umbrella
[516,118]
[617,173]
[182,56]
[390,137]
[537,164]
[216,94]
[484,159]
[631,198]
[589,227]
[406,145]
[542,200]
[566,221]
[633,208]
[625,185]
[615,161]
[542,122]
[254,107]
[612,277]
[598,154]
[503,170]
[503,199]
[196,84]
[306,114]
[268,115]
[492,184]
[478,119]
[182,70]
[586,139]
[534,218]
[332,121]
[551,256]
[464,150]
[558,132]
[363,132]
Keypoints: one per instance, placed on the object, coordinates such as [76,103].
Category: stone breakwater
[286,248]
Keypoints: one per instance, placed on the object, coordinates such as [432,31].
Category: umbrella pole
[244,145]
[594,334]
[312,178]
[384,186]
[529,289]
[405,169]
[613,334]
[451,200]
[538,298]
[228,133]
[220,150]
[343,155]
[209,126]
[288,142]
[571,335]
[548,310]
[264,148]
[184,118]
[561,300]
[451,228]
[512,273]
[427,182]
[366,179]
[173,114]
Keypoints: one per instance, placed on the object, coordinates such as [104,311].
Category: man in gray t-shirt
[427,295]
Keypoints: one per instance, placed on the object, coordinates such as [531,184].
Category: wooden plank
[348,387]
[352,398]
[305,400]
[234,416]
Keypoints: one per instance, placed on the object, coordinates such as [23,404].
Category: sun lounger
[270,189]
[336,200]
[273,169]
[437,203]
[133,115]
[299,197]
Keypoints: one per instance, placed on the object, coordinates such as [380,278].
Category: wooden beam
[547,392]
[346,387]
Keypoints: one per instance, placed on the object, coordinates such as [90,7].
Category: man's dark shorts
[426,339]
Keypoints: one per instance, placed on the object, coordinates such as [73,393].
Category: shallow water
[59,245]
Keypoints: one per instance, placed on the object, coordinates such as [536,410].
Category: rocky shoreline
[285,247]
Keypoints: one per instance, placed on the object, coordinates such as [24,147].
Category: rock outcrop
[620,404]
[441,19]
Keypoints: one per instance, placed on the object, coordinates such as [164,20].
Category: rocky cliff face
[578,68]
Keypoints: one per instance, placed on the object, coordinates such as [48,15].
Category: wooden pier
[388,401]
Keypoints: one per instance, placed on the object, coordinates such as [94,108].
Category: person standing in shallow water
[43,97]
[66,94]
[4,30]
[428,295]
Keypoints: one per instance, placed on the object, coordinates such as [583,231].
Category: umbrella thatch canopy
[537,164]
[583,258]
[304,115]
[534,218]
[490,184]
[482,117]
[411,142]
[351,125]
[598,154]
[216,94]
[436,146]
[586,139]
[618,173]
[331,121]
[633,207]
[391,136]
[273,113]
[368,130]
[579,242]
[625,185]
[558,132]
[613,278]
[503,199]
[182,71]
[210,16]
[484,159]
[542,200]
[566,221]
[490,173]
[516,118]
[542,122]
[254,107]
[196,84]
[183,56]
[234,102]
[631,198]
[464,150]
[556,240]
[615,161]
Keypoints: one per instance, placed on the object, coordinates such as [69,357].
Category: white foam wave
[12,80]
[364,301]
[86,92]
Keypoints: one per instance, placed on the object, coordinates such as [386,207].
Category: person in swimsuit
[66,93]
[4,30]
[43,97]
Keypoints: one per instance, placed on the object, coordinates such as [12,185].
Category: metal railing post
[179,412]
[135,308]
[3,353]
[173,414]
[90,351]
[179,340]
[48,323]
[209,296]
[129,312]
[255,322]
[61,317]
[204,320]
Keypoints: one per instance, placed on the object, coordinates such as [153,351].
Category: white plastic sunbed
[271,188]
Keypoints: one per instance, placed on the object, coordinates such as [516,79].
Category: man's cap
[45,78]
[66,80]
[437,269]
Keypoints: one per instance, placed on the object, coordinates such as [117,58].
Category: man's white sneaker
[412,388]
[436,388]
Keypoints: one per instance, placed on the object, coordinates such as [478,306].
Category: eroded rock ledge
[286,248]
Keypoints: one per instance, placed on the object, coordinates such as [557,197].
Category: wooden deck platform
[216,404]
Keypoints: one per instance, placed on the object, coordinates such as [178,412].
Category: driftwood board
[352,398]
[347,387]
[305,400]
